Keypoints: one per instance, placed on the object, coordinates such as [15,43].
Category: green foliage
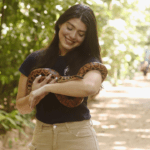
[27,26]
[13,120]
[123,30]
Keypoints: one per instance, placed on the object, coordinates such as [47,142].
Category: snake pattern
[67,101]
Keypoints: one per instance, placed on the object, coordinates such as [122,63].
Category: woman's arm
[22,99]
[89,85]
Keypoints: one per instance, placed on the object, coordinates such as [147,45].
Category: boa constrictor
[63,99]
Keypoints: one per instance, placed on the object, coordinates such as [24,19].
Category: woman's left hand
[37,95]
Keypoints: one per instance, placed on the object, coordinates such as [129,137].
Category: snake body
[67,101]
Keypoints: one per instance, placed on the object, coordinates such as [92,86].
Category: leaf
[1,111]
[19,118]
[2,117]
[5,126]
[13,122]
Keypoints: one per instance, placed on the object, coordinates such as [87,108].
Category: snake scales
[63,99]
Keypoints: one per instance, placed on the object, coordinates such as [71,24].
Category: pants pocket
[77,139]
[80,132]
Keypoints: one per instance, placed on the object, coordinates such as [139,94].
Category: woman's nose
[73,35]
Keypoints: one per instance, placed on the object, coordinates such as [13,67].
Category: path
[121,116]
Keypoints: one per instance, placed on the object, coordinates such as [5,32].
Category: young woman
[75,43]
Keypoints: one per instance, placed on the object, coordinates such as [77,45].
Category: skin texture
[71,34]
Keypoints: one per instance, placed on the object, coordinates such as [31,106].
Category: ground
[120,115]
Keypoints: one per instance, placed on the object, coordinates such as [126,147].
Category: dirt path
[121,116]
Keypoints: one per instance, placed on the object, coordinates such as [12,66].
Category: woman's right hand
[36,84]
[34,100]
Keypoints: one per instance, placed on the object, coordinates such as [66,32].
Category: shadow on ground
[121,116]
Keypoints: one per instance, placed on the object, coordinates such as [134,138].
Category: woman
[75,43]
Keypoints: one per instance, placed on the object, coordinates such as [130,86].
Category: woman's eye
[81,35]
[69,28]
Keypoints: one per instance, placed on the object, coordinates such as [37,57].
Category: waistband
[77,124]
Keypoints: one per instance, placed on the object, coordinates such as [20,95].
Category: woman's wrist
[45,88]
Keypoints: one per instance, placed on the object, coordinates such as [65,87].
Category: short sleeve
[92,59]
[28,64]
[89,60]
[95,64]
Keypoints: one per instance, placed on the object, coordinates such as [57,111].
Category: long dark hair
[89,48]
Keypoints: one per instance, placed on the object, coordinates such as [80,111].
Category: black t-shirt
[49,109]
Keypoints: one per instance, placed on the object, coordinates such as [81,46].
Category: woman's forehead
[77,23]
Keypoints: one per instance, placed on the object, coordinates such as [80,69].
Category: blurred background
[27,26]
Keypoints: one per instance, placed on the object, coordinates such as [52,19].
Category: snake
[67,101]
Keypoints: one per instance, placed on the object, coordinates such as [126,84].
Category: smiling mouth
[69,41]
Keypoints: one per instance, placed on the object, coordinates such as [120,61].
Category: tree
[25,27]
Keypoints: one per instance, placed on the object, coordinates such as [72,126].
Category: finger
[54,80]
[32,104]
[37,78]
[38,100]
[31,101]
[48,78]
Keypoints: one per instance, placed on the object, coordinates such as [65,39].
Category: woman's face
[71,35]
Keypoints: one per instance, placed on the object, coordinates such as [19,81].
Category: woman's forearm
[76,88]
[22,105]
[89,85]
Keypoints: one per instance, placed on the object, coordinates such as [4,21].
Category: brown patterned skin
[67,101]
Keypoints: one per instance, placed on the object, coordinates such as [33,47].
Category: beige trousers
[64,136]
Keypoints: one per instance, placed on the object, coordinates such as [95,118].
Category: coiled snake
[63,99]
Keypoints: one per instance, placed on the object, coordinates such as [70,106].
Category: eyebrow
[75,27]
